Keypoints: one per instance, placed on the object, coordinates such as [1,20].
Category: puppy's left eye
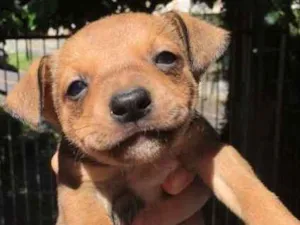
[76,89]
[165,58]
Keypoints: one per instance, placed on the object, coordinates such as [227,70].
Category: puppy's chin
[143,147]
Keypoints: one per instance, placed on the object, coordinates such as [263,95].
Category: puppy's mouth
[144,143]
[138,143]
[143,139]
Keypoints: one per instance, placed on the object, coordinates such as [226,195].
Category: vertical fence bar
[247,82]
[214,201]
[217,79]
[5,81]
[27,208]
[17,57]
[30,47]
[280,83]
[44,46]
[26,49]
[227,117]
[52,188]
[38,181]
[231,98]
[37,154]
[217,89]
[11,171]
[260,85]
[297,208]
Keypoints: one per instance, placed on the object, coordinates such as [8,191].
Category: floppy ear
[31,98]
[203,42]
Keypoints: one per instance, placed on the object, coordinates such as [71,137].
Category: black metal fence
[27,184]
[263,111]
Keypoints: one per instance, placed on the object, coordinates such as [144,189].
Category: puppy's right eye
[76,89]
[165,60]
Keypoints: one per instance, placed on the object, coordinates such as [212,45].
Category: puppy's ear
[31,98]
[202,41]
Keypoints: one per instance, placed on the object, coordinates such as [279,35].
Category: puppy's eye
[76,89]
[165,58]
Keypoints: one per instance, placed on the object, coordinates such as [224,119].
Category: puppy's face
[124,86]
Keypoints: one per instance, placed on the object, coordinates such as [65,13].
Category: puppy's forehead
[114,36]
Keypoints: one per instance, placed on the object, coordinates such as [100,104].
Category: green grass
[24,62]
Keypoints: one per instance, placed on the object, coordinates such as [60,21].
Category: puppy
[123,93]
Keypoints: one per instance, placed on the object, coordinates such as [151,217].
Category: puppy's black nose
[131,105]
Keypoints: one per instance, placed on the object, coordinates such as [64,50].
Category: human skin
[178,208]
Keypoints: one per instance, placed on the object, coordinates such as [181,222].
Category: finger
[176,209]
[196,219]
[177,181]
[54,162]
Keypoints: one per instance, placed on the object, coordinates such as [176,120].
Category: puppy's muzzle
[130,105]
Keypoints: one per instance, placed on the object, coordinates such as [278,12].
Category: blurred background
[251,95]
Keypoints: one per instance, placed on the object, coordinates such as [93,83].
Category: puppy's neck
[116,189]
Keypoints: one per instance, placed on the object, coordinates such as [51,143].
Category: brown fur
[106,170]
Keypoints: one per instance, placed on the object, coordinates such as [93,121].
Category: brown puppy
[123,92]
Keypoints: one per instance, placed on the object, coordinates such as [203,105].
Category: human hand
[188,196]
